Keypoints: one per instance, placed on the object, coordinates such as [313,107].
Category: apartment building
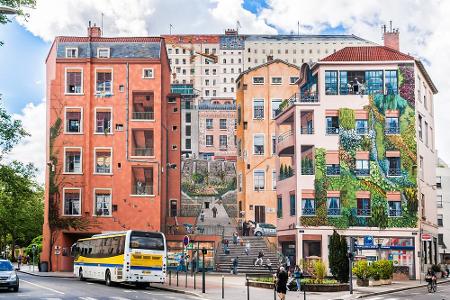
[113,140]
[212,63]
[360,143]
[443,209]
[260,92]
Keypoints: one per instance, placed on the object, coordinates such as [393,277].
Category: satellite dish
[6,10]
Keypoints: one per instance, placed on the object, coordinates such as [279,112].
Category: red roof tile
[192,38]
[84,39]
[368,53]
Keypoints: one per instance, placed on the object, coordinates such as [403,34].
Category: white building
[443,210]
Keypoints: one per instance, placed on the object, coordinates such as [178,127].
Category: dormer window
[71,52]
[103,53]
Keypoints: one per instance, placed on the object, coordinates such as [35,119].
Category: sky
[423,25]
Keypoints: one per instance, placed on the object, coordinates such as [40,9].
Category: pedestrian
[235,238]
[186,259]
[241,241]
[259,259]
[298,276]
[446,270]
[247,248]
[214,211]
[244,228]
[282,278]
[19,261]
[181,264]
[269,265]
[202,216]
[193,264]
[288,264]
[28,259]
[235,265]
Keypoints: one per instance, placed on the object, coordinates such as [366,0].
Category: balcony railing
[211,106]
[307,130]
[362,130]
[286,175]
[362,172]
[395,212]
[394,172]
[142,189]
[285,135]
[143,152]
[307,171]
[102,169]
[334,211]
[308,97]
[392,130]
[143,115]
[333,170]
[363,212]
[309,211]
[332,130]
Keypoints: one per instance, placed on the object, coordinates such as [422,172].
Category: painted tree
[337,257]
[11,131]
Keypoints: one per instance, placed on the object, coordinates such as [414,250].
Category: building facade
[113,140]
[360,142]
[260,92]
[443,209]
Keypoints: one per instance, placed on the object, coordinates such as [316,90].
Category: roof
[85,39]
[374,53]
[266,64]
[306,37]
[192,38]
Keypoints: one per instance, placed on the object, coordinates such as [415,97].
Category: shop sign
[426,237]
[368,240]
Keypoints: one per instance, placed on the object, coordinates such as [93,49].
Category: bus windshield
[146,241]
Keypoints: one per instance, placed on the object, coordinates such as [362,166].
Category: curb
[397,290]
[162,288]
[39,275]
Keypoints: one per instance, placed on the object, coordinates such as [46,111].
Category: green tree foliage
[11,131]
[18,5]
[337,257]
[347,118]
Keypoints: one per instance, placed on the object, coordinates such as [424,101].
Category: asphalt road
[33,287]
[421,293]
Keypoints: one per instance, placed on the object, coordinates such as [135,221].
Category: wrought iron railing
[285,135]
[363,212]
[362,172]
[286,175]
[143,115]
[362,130]
[333,170]
[332,130]
[334,211]
[307,130]
[307,171]
[142,189]
[102,169]
[395,212]
[309,211]
[143,151]
[392,130]
[309,97]
[394,172]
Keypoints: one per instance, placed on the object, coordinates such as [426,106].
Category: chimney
[391,37]
[94,31]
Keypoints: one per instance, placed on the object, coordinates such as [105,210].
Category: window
[274,180]
[104,82]
[331,83]
[103,52]
[395,208]
[188,143]
[440,220]
[332,125]
[333,169]
[240,182]
[258,180]
[293,79]
[73,120]
[292,204]
[72,202]
[173,208]
[440,239]
[188,117]
[391,84]
[394,166]
[425,129]
[374,80]
[209,140]
[72,160]
[103,121]
[276,80]
[362,167]
[334,206]
[258,109]
[421,169]
[223,123]
[274,144]
[362,127]
[275,105]
[258,144]
[71,52]
[147,73]
[308,207]
[74,81]
[438,182]
[102,203]
[209,123]
[188,130]
[363,207]
[184,60]
[103,161]
[392,125]
[258,80]
[419,127]
[439,201]
[207,93]
[223,141]
[279,206]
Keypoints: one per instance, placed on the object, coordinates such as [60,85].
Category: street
[34,287]
[443,292]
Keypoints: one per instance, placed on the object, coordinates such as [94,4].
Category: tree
[337,257]
[11,131]
[17,5]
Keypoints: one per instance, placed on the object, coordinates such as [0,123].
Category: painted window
[258,144]
[362,127]
[103,164]
[394,168]
[258,180]
[258,109]
[391,82]
[374,80]
[292,205]
[332,125]
[363,207]
[333,169]
[72,202]
[147,73]
[276,80]
[209,140]
[104,82]
[209,123]
[334,206]
[72,161]
[73,120]
[74,82]
[258,80]
[308,207]
[395,208]
[223,141]
[223,123]
[279,207]
[392,125]
[362,167]
[331,83]
[102,204]
[103,122]
[275,105]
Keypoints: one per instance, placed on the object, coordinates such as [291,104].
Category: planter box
[362,282]
[260,284]
[374,282]
[386,281]
[338,287]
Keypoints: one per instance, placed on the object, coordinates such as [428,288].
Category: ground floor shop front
[404,247]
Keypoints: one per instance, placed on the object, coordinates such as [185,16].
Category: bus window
[147,241]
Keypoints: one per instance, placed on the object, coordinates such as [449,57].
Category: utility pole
[350,260]
[203,269]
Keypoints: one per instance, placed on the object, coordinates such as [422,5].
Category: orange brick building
[113,139]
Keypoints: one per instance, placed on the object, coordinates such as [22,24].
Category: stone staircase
[246,263]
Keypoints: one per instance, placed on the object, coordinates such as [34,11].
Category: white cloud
[32,148]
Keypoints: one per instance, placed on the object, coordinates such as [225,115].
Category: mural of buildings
[359,142]
[110,116]
[260,92]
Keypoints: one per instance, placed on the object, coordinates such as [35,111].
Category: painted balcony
[285,143]
[362,172]
[392,130]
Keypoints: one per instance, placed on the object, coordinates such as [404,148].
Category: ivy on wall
[377,183]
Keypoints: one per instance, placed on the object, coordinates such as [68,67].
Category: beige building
[260,92]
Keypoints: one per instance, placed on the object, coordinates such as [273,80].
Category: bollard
[274,291]
[186,280]
[170,277]
[194,280]
[248,289]
[223,284]
[177,278]
[304,293]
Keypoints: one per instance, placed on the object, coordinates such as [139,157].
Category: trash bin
[43,266]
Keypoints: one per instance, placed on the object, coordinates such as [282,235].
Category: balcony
[285,172]
[142,142]
[143,115]
[307,171]
[285,143]
[334,212]
[362,130]
[143,152]
[143,106]
[394,172]
[309,97]
[362,172]
[363,212]
[102,169]
[142,189]
[142,181]
[309,211]
[307,130]
[392,130]
[395,212]
[333,170]
[215,106]
[332,130]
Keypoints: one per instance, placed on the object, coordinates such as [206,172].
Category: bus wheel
[108,278]
[80,275]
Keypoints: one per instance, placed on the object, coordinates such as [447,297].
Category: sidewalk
[28,269]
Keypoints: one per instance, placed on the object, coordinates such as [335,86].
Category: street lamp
[6,10]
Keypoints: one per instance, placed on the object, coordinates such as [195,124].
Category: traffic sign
[427,237]
[186,240]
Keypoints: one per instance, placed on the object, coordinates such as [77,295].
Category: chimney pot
[391,37]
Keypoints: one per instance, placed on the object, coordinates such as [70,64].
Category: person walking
[247,248]
[288,264]
[260,258]
[244,228]
[214,211]
[181,264]
[235,265]
[193,264]
[269,265]
[298,276]
[19,261]
[235,236]
[282,278]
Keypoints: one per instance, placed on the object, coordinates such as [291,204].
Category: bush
[198,178]
[361,270]
[319,271]
[28,250]
[386,269]
[337,257]
[374,271]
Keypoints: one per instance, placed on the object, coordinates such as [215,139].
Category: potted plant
[361,271]
[386,270]
[374,270]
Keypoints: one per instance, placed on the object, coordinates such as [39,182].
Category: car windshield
[5,266]
[269,226]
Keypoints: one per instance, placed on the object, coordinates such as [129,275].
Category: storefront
[176,250]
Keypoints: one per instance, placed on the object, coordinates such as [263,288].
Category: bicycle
[431,285]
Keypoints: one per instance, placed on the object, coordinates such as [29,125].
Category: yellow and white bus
[131,256]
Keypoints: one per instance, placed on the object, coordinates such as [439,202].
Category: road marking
[119,298]
[89,283]
[87,298]
[129,291]
[43,287]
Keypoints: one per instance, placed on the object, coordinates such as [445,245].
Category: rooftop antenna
[298,27]
[102,25]
[170,29]
[238,25]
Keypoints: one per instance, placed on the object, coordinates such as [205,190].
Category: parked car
[265,229]
[8,276]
